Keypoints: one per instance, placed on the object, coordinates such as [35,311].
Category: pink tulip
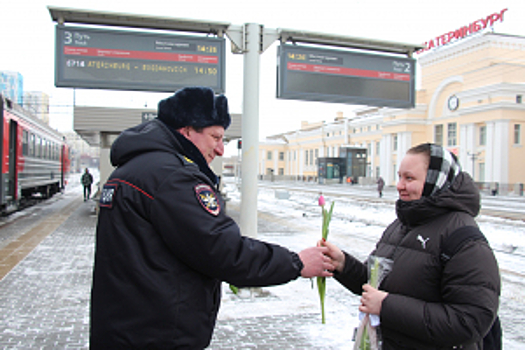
[321,281]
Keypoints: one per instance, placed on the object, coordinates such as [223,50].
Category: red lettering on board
[472,28]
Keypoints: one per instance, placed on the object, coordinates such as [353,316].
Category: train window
[32,145]
[25,143]
[44,148]
[38,151]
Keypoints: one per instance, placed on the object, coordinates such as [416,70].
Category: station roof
[89,122]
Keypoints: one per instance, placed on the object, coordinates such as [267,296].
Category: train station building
[470,100]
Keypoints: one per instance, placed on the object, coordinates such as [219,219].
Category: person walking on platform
[164,243]
[442,290]
[86,180]
[380,186]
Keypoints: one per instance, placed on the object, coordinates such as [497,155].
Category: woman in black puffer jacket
[423,304]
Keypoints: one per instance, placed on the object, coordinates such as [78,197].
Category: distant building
[12,86]
[470,101]
[37,103]
[81,153]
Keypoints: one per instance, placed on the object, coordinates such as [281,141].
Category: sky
[28,32]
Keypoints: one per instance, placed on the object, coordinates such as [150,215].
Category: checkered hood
[442,170]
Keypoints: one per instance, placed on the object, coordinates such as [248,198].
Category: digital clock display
[129,60]
[207,49]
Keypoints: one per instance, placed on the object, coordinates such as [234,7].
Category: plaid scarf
[442,170]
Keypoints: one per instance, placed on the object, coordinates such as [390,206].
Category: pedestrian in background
[380,185]
[494,187]
[86,180]
[422,302]
[164,243]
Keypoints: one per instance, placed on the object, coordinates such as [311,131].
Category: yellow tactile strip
[20,247]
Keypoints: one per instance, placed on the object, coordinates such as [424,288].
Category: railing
[488,188]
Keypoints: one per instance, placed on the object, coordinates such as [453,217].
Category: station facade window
[482,135]
[452,134]
[438,134]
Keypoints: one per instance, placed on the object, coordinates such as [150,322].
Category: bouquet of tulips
[368,336]
[321,281]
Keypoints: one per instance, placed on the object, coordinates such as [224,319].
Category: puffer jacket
[431,306]
[163,246]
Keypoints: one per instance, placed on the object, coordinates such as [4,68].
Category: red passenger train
[35,158]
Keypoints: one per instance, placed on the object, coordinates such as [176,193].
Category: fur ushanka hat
[194,106]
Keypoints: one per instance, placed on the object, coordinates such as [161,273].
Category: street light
[473,157]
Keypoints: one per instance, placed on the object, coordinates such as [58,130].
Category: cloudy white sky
[27,43]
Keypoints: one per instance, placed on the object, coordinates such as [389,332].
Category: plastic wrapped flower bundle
[368,336]
[321,281]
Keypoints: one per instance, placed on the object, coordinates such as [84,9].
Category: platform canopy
[90,17]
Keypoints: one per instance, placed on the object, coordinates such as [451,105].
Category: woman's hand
[371,300]
[337,256]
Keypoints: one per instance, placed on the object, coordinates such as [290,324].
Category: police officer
[164,243]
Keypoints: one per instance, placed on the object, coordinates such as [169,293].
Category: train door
[64,167]
[13,157]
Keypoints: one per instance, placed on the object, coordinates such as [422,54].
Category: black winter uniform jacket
[164,244]
[430,306]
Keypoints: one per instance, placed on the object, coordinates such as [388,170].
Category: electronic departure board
[314,74]
[131,60]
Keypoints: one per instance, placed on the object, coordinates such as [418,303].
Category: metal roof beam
[301,36]
[67,15]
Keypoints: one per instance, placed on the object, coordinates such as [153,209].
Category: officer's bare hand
[316,262]
[336,254]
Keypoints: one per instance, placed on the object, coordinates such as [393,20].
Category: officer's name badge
[208,199]
[107,195]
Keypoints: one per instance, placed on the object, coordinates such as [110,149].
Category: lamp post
[473,156]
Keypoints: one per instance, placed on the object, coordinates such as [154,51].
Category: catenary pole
[250,131]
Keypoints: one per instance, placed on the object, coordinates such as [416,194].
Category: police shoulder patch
[107,194]
[185,160]
[208,199]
